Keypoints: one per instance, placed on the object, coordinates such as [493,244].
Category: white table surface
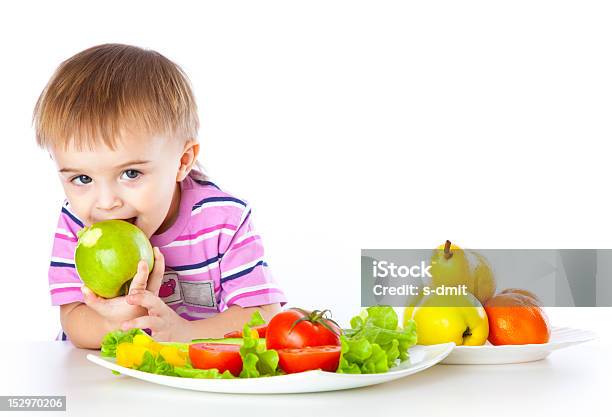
[573,381]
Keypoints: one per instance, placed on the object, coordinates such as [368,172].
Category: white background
[346,125]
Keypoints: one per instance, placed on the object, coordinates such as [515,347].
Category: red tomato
[325,358]
[310,331]
[261,331]
[222,356]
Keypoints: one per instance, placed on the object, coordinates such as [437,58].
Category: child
[121,123]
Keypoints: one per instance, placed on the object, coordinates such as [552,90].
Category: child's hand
[116,310]
[164,323]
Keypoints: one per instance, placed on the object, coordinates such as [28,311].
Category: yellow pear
[482,283]
[452,266]
[449,266]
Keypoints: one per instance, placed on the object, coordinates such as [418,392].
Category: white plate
[421,357]
[488,354]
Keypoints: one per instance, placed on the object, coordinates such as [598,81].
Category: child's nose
[107,200]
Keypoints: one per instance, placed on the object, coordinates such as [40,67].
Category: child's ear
[188,159]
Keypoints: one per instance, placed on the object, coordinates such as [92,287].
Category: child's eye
[81,180]
[130,174]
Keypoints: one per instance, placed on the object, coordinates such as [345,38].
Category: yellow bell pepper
[155,347]
[131,355]
[148,342]
[173,355]
[123,355]
[142,340]
[138,354]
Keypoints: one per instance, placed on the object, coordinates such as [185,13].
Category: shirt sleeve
[64,282]
[246,278]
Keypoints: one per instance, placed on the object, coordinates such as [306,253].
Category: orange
[523,292]
[516,319]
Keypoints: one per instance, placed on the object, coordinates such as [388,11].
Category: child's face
[137,181]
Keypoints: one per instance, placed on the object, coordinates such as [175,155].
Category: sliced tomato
[222,356]
[325,358]
[261,331]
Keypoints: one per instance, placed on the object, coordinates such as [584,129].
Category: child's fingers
[92,300]
[139,283]
[89,296]
[148,300]
[143,322]
[157,275]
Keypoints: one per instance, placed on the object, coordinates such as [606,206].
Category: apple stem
[447,253]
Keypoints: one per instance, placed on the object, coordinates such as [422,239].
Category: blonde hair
[96,95]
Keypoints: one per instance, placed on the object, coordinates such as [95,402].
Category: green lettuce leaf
[188,371]
[256,359]
[374,343]
[256,319]
[156,365]
[112,339]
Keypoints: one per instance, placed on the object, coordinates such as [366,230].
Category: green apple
[107,256]
[451,318]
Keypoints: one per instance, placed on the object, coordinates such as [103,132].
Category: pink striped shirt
[214,257]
